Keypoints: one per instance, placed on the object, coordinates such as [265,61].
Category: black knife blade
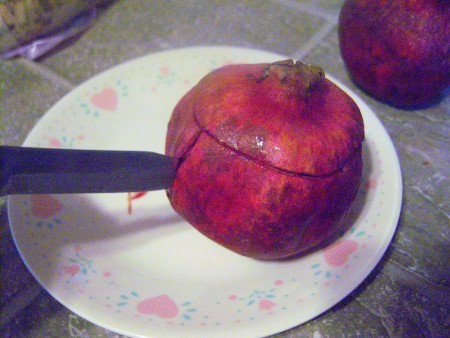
[28,170]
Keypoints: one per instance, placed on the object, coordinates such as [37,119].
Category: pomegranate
[271,157]
[397,51]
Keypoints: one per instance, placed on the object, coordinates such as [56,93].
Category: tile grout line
[314,41]
[307,9]
[416,280]
[19,302]
[47,73]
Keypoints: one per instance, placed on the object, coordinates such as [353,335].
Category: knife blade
[29,170]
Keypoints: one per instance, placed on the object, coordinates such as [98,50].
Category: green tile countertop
[407,294]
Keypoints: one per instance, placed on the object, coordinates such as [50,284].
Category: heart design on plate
[106,99]
[45,206]
[265,305]
[71,269]
[162,306]
[337,254]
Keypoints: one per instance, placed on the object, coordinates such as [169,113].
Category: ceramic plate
[128,263]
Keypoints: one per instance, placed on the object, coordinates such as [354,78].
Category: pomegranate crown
[294,74]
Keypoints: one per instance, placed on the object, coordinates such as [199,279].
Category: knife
[28,170]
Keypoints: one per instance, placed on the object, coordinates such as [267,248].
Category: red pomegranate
[397,51]
[271,157]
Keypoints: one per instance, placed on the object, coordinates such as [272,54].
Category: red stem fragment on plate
[132,196]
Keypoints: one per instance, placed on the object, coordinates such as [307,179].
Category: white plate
[147,272]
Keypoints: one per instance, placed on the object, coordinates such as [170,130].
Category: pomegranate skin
[397,51]
[270,163]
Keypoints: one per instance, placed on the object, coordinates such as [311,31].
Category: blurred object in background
[30,28]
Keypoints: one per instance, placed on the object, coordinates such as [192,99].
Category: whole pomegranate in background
[271,157]
[398,51]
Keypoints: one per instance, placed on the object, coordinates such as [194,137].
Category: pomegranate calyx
[298,75]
